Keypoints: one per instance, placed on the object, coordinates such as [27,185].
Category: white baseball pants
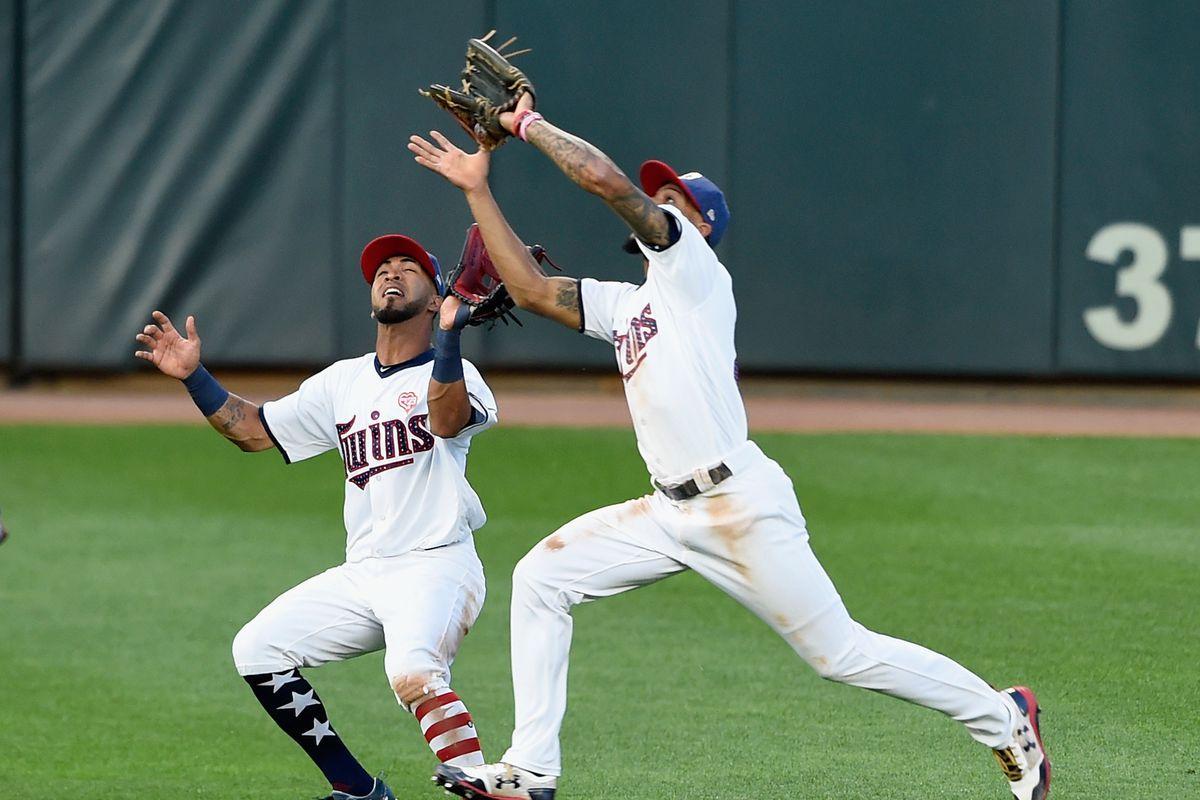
[747,536]
[418,605]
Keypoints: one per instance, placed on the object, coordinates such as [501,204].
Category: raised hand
[467,171]
[454,314]
[166,349]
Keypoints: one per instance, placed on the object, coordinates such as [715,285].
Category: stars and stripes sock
[294,705]
[449,729]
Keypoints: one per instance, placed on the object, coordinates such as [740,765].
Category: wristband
[447,362]
[523,120]
[207,394]
[518,121]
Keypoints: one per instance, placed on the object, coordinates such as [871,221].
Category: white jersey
[406,489]
[673,337]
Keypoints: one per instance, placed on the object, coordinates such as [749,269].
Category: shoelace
[1014,761]
[1008,763]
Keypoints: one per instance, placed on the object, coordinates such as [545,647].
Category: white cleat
[1023,758]
[494,782]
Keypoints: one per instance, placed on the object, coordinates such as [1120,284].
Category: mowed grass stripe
[1067,563]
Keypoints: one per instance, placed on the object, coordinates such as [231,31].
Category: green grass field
[1070,564]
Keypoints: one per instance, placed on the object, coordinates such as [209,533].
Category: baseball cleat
[494,782]
[379,791]
[1024,759]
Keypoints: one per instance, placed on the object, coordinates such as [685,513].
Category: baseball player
[402,418]
[719,505]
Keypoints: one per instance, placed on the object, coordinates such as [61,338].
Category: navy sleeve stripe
[479,414]
[263,418]
[674,234]
[579,291]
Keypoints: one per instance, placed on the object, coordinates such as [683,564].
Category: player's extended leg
[749,538]
[321,620]
[606,552]
[603,553]
[427,601]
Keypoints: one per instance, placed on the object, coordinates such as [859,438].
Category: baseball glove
[490,86]
[476,282]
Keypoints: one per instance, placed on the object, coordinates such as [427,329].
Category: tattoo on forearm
[230,416]
[582,162]
[573,155]
[568,296]
[646,219]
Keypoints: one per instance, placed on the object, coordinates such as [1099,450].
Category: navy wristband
[207,394]
[447,362]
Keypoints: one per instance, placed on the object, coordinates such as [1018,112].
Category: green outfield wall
[7,173]
[950,188]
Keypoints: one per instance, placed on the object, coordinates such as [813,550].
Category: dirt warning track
[773,404]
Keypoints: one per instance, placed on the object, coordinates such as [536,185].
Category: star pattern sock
[294,705]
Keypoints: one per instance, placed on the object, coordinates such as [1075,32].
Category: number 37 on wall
[1139,280]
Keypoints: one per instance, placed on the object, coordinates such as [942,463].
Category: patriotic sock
[449,729]
[294,705]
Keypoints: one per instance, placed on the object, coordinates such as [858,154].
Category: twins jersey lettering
[673,339]
[401,480]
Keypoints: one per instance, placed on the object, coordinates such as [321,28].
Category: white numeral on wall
[1189,250]
[1138,280]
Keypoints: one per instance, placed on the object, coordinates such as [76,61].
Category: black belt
[689,489]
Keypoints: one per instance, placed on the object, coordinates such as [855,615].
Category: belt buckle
[702,478]
[701,481]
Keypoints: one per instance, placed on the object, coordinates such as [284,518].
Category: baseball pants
[418,606]
[748,537]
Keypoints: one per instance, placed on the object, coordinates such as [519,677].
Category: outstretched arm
[590,169]
[178,357]
[555,298]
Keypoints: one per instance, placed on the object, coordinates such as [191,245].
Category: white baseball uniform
[674,342]
[411,581]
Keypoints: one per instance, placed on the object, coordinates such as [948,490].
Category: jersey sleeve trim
[674,232]
[262,416]
[480,416]
[579,293]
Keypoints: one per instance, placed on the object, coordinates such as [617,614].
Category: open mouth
[392,291]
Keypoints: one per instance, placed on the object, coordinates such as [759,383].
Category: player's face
[401,291]
[670,194]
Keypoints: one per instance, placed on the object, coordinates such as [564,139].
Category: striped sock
[448,728]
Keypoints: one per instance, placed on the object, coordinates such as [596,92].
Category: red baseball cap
[654,174]
[389,245]
[703,194]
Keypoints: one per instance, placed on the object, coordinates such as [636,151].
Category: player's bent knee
[412,686]
[414,672]
[534,584]
[253,651]
[534,572]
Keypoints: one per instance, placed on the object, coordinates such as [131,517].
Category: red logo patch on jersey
[631,344]
[407,401]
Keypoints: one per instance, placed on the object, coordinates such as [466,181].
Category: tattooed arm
[238,421]
[593,171]
[555,298]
